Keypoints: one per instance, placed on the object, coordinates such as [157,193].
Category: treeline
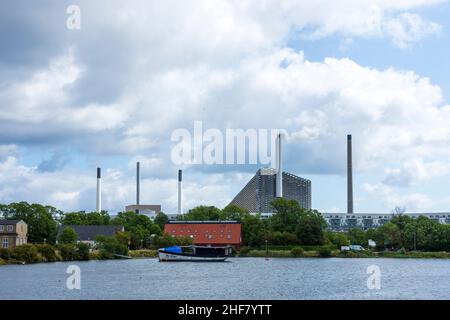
[290,226]
[43,223]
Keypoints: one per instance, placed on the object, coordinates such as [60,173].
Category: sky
[113,91]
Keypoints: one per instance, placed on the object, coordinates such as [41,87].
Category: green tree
[161,219]
[68,236]
[140,228]
[83,218]
[203,213]
[109,246]
[41,220]
[234,213]
[357,236]
[310,228]
[338,239]
[286,216]
[254,230]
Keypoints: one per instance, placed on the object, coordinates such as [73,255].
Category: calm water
[244,278]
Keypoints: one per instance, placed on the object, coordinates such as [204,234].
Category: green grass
[144,253]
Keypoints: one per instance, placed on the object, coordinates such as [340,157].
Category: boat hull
[165,256]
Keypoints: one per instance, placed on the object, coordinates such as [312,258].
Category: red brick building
[213,233]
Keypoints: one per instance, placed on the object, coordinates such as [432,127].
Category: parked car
[352,247]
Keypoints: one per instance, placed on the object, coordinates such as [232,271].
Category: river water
[239,278]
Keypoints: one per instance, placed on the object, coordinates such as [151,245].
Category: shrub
[324,252]
[143,253]
[25,253]
[68,252]
[5,254]
[297,252]
[47,252]
[109,246]
[402,251]
[244,251]
[82,251]
[2,262]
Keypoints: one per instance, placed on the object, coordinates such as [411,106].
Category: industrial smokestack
[279,176]
[180,192]
[99,190]
[349,175]
[137,182]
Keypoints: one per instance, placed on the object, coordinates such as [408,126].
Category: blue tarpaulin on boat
[174,249]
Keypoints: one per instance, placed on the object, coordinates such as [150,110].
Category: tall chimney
[99,190]
[349,175]
[180,192]
[137,182]
[279,176]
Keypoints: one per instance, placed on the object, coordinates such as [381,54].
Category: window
[10,228]
[5,243]
[2,228]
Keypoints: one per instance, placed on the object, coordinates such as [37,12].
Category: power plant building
[259,192]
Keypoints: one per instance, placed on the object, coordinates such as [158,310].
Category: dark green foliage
[86,218]
[68,252]
[297,251]
[68,236]
[110,246]
[25,253]
[161,219]
[41,220]
[82,251]
[47,252]
[357,236]
[140,228]
[204,213]
[5,253]
[324,252]
[310,229]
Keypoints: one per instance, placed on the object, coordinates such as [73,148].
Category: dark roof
[9,222]
[89,233]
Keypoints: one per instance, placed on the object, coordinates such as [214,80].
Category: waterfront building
[88,234]
[13,233]
[259,192]
[207,233]
[149,210]
[365,221]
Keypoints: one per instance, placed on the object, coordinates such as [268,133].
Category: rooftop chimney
[180,192]
[349,175]
[99,190]
[279,176]
[137,182]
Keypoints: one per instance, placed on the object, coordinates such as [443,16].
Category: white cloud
[225,63]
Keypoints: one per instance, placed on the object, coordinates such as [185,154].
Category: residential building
[89,233]
[13,233]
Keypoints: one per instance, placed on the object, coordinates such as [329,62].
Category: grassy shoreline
[152,254]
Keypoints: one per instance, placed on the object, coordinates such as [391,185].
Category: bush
[25,253]
[297,252]
[143,253]
[5,254]
[324,252]
[68,252]
[2,262]
[82,251]
[243,251]
[109,246]
[47,252]
[402,251]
